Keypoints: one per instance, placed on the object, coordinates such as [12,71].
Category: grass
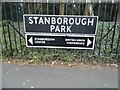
[63,55]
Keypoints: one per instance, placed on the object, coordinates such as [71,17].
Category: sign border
[60,15]
[58,46]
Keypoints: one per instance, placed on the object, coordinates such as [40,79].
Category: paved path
[26,76]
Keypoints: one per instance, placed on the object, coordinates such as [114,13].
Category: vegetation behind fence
[107,45]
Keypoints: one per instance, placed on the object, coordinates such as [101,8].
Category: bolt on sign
[80,31]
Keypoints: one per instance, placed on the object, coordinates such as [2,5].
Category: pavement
[27,76]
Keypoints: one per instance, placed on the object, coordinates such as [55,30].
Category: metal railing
[108,33]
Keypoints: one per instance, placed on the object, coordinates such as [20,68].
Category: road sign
[62,41]
[67,24]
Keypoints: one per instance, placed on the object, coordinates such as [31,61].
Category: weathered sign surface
[70,42]
[60,31]
[60,24]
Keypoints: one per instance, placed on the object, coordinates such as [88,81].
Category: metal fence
[108,30]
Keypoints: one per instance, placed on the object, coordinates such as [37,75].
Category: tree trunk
[62,7]
[38,6]
[88,10]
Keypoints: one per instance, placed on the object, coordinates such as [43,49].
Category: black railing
[108,31]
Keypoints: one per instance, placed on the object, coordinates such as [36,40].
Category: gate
[107,42]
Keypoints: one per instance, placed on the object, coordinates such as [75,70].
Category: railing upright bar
[34,7]
[113,35]
[4,29]
[98,14]
[118,44]
[53,8]
[9,36]
[29,11]
[13,30]
[47,9]
[18,19]
[106,44]
[101,34]
[66,8]
[41,8]
[4,36]
[79,8]
[73,8]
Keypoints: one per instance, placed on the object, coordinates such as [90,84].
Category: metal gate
[108,34]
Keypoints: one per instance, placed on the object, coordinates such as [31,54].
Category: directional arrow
[51,41]
[31,40]
[88,42]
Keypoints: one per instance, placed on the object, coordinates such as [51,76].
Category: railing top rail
[66,1]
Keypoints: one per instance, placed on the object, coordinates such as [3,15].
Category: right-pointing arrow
[88,42]
[31,40]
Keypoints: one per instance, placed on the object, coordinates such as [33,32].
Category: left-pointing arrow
[31,40]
